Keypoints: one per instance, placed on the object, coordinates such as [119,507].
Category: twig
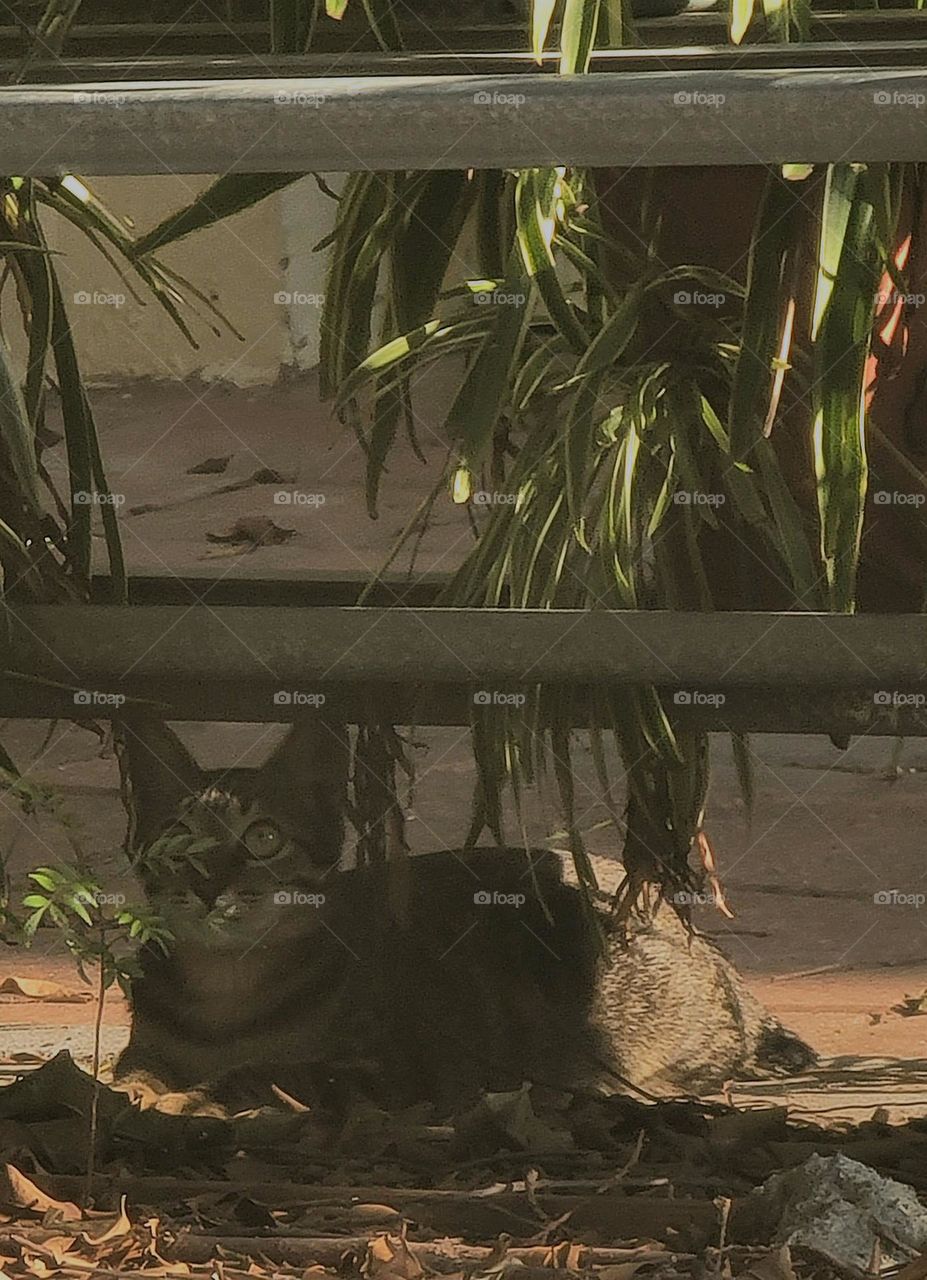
[95,1097]
[329,1250]
[724,1205]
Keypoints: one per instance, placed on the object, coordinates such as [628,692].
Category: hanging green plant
[638,438]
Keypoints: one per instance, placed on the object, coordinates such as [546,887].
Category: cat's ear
[161,774]
[309,770]
[315,750]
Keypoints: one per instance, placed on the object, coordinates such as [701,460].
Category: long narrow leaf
[774,239]
[741,17]
[16,435]
[542,11]
[486,389]
[537,196]
[228,195]
[577,35]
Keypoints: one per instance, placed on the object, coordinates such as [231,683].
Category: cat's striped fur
[286,970]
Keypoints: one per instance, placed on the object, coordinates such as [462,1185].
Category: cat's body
[436,979]
[463,996]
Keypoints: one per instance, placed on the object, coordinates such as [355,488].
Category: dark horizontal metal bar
[458,122]
[796,710]
[98,646]
[799,673]
[133,41]
[867,53]
[305,589]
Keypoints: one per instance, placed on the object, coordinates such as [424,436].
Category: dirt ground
[828,881]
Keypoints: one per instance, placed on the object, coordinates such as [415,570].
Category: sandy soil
[829,835]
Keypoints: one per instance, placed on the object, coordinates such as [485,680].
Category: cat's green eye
[263,839]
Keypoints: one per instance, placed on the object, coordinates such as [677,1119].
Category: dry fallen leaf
[116,1228]
[775,1265]
[253,531]
[210,466]
[55,1247]
[567,1256]
[911,1006]
[40,989]
[389,1257]
[17,1192]
[36,1266]
[512,1115]
[372,1214]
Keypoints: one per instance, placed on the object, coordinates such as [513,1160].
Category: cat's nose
[222,866]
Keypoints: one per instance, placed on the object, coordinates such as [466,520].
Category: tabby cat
[286,970]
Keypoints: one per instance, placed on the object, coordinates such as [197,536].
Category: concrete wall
[258,268]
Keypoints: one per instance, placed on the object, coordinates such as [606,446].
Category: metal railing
[352,123]
[799,672]
[208,660]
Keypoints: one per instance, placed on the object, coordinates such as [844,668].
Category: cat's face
[236,842]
